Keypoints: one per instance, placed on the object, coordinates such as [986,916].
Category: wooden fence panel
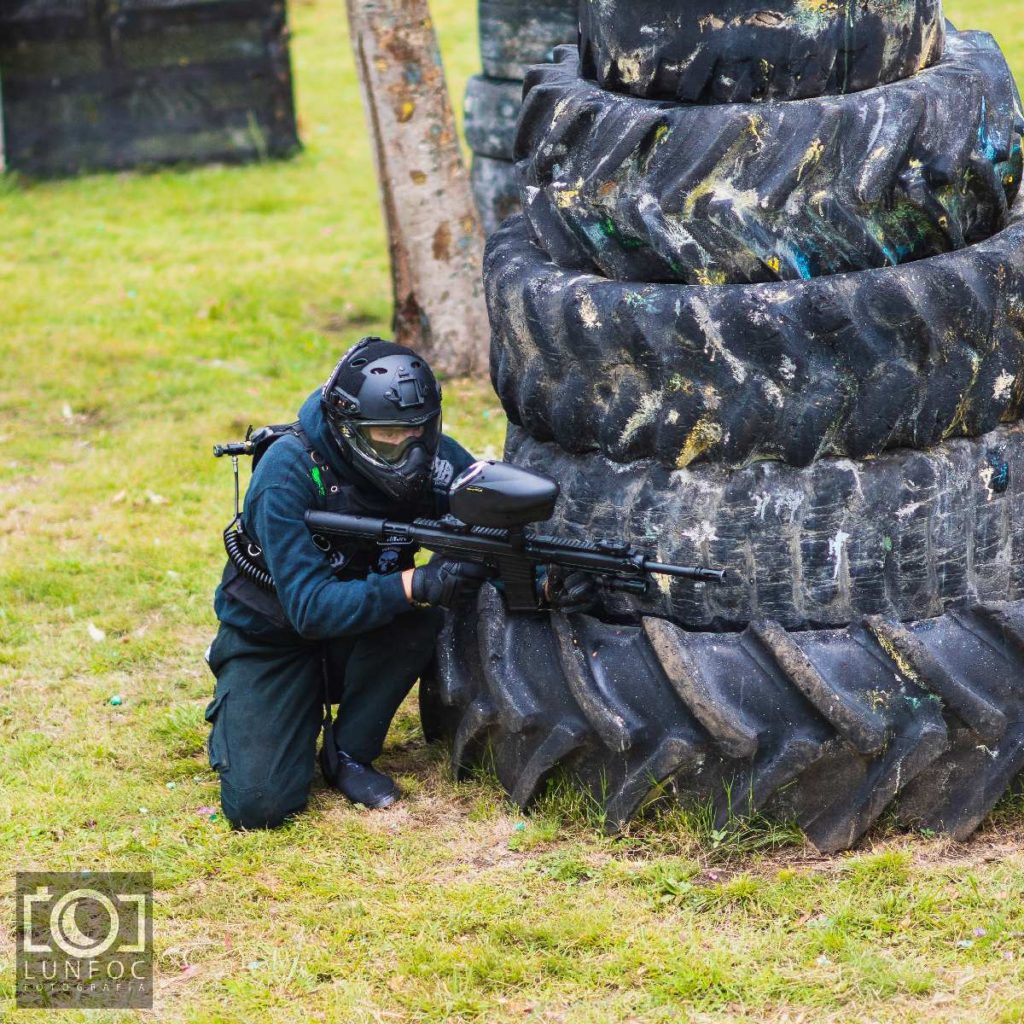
[112,84]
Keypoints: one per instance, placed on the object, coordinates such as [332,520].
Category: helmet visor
[391,442]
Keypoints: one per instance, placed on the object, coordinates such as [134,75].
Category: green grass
[145,317]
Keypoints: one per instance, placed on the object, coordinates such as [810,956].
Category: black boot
[360,783]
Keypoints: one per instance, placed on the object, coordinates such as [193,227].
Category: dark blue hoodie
[318,605]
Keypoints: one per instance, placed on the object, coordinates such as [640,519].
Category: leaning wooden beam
[434,235]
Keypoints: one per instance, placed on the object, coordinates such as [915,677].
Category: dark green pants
[268,707]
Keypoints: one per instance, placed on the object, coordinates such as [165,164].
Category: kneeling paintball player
[354,625]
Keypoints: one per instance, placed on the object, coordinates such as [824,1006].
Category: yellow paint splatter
[718,178]
[814,153]
[661,133]
[754,125]
[710,277]
[418,177]
[878,699]
[629,65]
[588,311]
[405,112]
[906,669]
[774,263]
[704,435]
[564,197]
[677,382]
[958,425]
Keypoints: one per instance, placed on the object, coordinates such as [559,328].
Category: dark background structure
[114,84]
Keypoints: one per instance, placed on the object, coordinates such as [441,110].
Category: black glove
[571,591]
[446,582]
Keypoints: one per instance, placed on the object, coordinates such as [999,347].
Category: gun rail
[507,550]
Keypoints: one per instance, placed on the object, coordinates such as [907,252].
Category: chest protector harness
[247,577]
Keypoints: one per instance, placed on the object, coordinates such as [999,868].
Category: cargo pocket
[216,744]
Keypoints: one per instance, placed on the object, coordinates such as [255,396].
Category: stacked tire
[514,34]
[766,315]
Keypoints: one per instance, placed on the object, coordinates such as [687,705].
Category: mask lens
[391,443]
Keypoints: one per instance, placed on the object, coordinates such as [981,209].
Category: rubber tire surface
[827,728]
[784,191]
[903,535]
[492,108]
[517,33]
[495,190]
[850,365]
[741,50]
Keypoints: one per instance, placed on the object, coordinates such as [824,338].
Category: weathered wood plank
[91,85]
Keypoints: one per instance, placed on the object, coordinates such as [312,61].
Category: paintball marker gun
[493,505]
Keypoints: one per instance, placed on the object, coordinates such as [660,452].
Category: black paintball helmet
[383,408]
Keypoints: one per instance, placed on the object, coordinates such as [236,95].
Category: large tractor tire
[904,535]
[517,33]
[492,107]
[848,446]
[849,365]
[745,50]
[641,190]
[495,191]
[829,727]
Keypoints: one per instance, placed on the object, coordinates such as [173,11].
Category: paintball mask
[383,407]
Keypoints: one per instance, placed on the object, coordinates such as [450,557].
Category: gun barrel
[687,572]
[342,525]
[495,546]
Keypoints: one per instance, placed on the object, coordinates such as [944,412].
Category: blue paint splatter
[1000,470]
[983,140]
[802,264]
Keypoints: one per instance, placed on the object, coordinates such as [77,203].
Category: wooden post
[434,234]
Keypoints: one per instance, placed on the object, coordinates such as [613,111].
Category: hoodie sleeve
[461,459]
[318,605]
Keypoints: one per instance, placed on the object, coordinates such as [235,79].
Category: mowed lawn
[143,318]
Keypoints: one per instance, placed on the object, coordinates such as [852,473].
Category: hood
[314,423]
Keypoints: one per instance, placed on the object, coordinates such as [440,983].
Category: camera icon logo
[84,940]
[99,910]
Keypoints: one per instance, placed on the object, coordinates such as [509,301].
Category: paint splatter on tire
[904,535]
[517,33]
[830,728]
[781,191]
[745,50]
[849,365]
[849,446]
